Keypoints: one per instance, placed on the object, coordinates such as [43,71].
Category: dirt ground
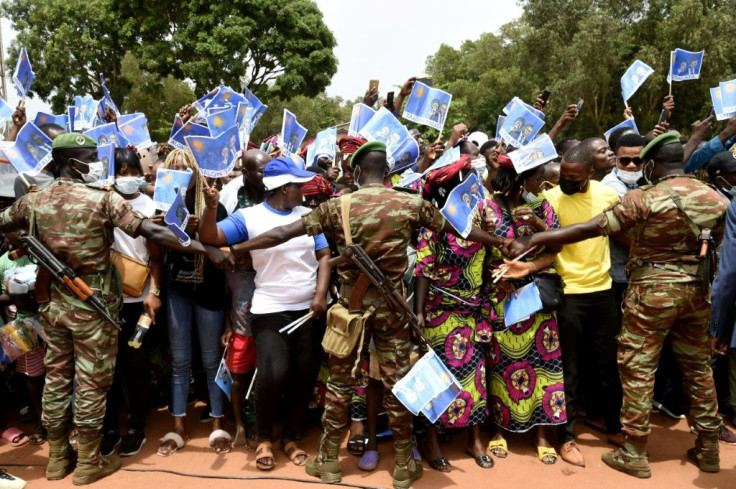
[668,444]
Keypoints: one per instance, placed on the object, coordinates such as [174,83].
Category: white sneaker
[8,481]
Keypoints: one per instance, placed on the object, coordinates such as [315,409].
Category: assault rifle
[395,298]
[65,275]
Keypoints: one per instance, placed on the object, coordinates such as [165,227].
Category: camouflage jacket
[381,221]
[74,221]
[660,233]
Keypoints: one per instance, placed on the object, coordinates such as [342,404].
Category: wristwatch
[155,292]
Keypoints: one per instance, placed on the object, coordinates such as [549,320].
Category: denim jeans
[210,325]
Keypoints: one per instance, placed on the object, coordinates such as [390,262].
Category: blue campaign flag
[107,134]
[215,156]
[177,216]
[178,123]
[728,96]
[427,106]
[222,121]
[627,123]
[107,98]
[71,116]
[685,65]
[407,178]
[429,387]
[31,150]
[358,118]
[516,101]
[384,127]
[168,183]
[462,204]
[637,73]
[106,155]
[448,158]
[501,118]
[86,112]
[325,144]
[136,132]
[292,134]
[23,75]
[6,112]
[189,129]
[536,153]
[520,126]
[715,96]
[223,378]
[518,307]
[221,97]
[311,159]
[258,108]
[45,118]
[404,156]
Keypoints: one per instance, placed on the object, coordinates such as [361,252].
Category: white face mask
[629,177]
[128,185]
[94,171]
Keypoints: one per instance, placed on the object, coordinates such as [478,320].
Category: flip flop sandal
[499,448]
[369,460]
[220,435]
[39,436]
[15,437]
[356,445]
[484,461]
[296,455]
[546,455]
[176,438]
[264,457]
[440,464]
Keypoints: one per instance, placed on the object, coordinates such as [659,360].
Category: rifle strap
[678,203]
[361,286]
[345,207]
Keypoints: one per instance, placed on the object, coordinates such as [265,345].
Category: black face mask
[570,187]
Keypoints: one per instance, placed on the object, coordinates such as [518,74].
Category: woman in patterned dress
[525,383]
[449,275]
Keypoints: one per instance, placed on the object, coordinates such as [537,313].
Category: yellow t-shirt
[583,266]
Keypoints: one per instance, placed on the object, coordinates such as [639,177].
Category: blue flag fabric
[536,153]
[359,118]
[292,134]
[31,150]
[108,134]
[728,95]
[427,106]
[223,378]
[462,204]
[325,144]
[520,126]
[385,127]
[311,158]
[499,124]
[6,112]
[86,112]
[715,96]
[215,156]
[136,132]
[45,118]
[177,216]
[107,98]
[407,178]
[221,120]
[448,157]
[168,183]
[257,108]
[23,75]
[518,307]
[106,155]
[189,129]
[515,102]
[404,156]
[221,97]
[627,123]
[685,65]
[70,118]
[634,77]
[429,387]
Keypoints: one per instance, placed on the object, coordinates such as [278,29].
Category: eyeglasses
[625,160]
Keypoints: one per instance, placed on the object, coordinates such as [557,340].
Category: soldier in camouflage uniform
[666,296]
[381,221]
[75,222]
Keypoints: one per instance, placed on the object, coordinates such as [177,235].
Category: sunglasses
[625,160]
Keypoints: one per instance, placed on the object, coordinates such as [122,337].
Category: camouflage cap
[72,140]
[661,140]
[367,148]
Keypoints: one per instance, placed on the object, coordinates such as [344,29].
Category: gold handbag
[133,273]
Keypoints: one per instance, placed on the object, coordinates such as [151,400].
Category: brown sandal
[264,456]
[295,454]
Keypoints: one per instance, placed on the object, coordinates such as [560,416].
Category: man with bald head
[248,191]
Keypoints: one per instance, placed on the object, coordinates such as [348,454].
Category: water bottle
[144,322]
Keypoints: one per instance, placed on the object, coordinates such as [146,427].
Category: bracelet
[155,292]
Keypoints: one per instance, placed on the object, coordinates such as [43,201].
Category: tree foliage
[580,49]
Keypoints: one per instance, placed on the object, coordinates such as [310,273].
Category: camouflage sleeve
[15,217]
[313,221]
[121,214]
[624,215]
[429,216]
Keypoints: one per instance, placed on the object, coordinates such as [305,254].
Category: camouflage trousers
[393,347]
[652,311]
[82,347]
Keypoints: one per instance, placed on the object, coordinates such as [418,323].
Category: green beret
[71,140]
[366,148]
[661,140]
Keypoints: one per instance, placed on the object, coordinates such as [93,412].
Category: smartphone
[711,111]
[390,101]
[373,86]
[580,105]
[545,94]
[662,117]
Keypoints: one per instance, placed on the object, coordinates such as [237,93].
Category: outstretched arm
[562,236]
[272,238]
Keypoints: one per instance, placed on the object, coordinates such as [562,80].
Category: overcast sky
[388,40]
